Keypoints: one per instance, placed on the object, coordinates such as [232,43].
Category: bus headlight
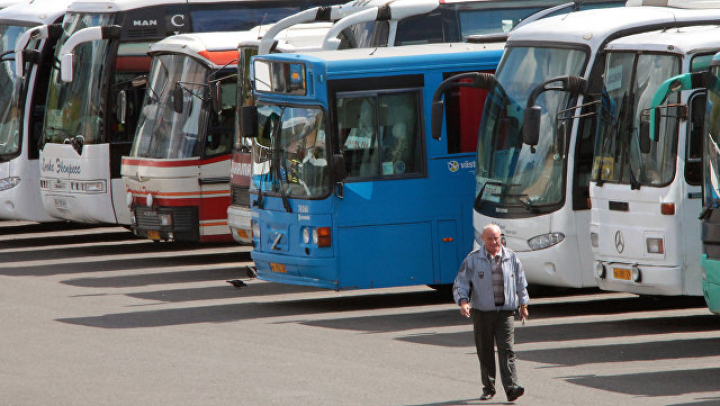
[600,270]
[255,229]
[655,245]
[165,219]
[306,235]
[321,236]
[594,240]
[129,199]
[9,183]
[544,241]
[88,186]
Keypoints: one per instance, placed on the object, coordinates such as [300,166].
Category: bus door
[385,232]
[127,89]
[692,199]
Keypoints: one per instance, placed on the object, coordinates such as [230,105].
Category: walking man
[490,287]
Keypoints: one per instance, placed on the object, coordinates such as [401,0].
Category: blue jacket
[476,269]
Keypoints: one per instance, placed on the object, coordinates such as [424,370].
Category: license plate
[61,203]
[621,274]
[243,234]
[279,268]
[153,235]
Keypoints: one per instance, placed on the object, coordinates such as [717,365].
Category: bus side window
[422,29]
[693,144]
[379,134]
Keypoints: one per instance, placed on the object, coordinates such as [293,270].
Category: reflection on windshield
[631,81]
[290,154]
[515,173]
[163,132]
[10,88]
[75,108]
[711,143]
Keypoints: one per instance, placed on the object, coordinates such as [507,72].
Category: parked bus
[25,29]
[361,24]
[104,63]
[535,156]
[646,186]
[347,190]
[711,192]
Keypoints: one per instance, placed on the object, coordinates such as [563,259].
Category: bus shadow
[182,258]
[161,278]
[25,228]
[255,310]
[582,331]
[451,317]
[221,292]
[38,242]
[655,384]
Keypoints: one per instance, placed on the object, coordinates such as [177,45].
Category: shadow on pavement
[654,384]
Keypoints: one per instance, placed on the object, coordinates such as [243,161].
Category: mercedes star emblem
[619,242]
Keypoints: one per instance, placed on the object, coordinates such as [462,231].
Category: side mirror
[562,137]
[176,96]
[644,136]
[437,114]
[339,170]
[216,95]
[121,106]
[66,68]
[248,121]
[531,125]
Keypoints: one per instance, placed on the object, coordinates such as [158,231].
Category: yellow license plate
[621,274]
[279,268]
[153,235]
[243,234]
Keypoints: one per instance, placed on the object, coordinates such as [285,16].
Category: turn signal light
[667,209]
[323,236]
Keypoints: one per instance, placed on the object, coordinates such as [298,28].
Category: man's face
[491,239]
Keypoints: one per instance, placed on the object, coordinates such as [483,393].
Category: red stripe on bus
[174,163]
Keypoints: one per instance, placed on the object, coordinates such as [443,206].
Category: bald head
[491,236]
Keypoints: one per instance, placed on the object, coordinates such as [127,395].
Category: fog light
[667,209]
[600,270]
[306,235]
[635,273]
[594,240]
[655,245]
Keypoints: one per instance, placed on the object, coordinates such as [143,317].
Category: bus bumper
[240,225]
[319,273]
[653,280]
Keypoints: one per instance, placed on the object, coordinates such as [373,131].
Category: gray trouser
[495,328]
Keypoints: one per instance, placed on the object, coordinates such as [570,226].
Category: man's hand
[465,308]
[524,313]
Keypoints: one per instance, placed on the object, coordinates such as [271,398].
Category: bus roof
[216,48]
[397,59]
[36,12]
[594,27]
[683,41]
[113,6]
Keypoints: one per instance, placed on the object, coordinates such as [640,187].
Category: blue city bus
[349,190]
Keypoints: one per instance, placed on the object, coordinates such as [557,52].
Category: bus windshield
[510,173]
[75,108]
[631,80]
[290,154]
[10,87]
[711,144]
[170,128]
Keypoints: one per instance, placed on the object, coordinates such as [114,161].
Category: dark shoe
[515,393]
[487,396]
